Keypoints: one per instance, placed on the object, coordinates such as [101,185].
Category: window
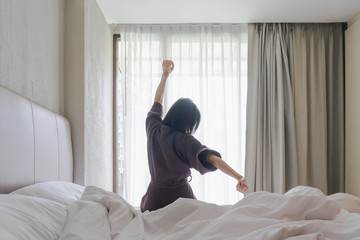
[211,69]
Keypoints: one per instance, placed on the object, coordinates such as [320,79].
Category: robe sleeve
[196,155]
[154,117]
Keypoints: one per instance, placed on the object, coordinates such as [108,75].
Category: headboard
[35,143]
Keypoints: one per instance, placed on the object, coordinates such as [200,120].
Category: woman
[172,150]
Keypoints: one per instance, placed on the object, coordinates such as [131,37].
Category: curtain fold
[295,107]
[211,69]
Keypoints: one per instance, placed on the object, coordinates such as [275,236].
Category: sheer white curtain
[210,68]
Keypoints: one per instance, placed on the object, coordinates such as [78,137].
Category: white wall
[74,82]
[352,109]
[88,91]
[98,98]
[58,53]
[32,50]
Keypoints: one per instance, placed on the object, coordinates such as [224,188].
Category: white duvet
[301,213]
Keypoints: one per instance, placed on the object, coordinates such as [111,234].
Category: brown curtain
[295,107]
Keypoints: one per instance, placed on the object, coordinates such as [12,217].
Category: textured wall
[74,81]
[32,50]
[98,98]
[88,91]
[58,53]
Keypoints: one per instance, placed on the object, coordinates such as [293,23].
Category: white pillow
[24,217]
[58,191]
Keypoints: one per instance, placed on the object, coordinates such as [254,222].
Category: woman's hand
[241,186]
[168,67]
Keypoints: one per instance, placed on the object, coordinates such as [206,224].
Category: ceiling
[227,11]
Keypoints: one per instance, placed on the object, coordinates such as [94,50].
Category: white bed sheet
[62,210]
[302,213]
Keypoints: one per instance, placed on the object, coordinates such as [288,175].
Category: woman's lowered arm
[224,167]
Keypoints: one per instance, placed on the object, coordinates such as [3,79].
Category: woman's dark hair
[183,116]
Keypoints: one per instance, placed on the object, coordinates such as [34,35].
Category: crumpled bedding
[301,213]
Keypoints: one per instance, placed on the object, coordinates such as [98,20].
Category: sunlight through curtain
[210,68]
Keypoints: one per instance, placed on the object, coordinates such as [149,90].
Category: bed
[38,199]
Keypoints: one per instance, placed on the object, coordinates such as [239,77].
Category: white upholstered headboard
[35,143]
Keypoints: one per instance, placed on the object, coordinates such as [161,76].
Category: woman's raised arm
[168,67]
